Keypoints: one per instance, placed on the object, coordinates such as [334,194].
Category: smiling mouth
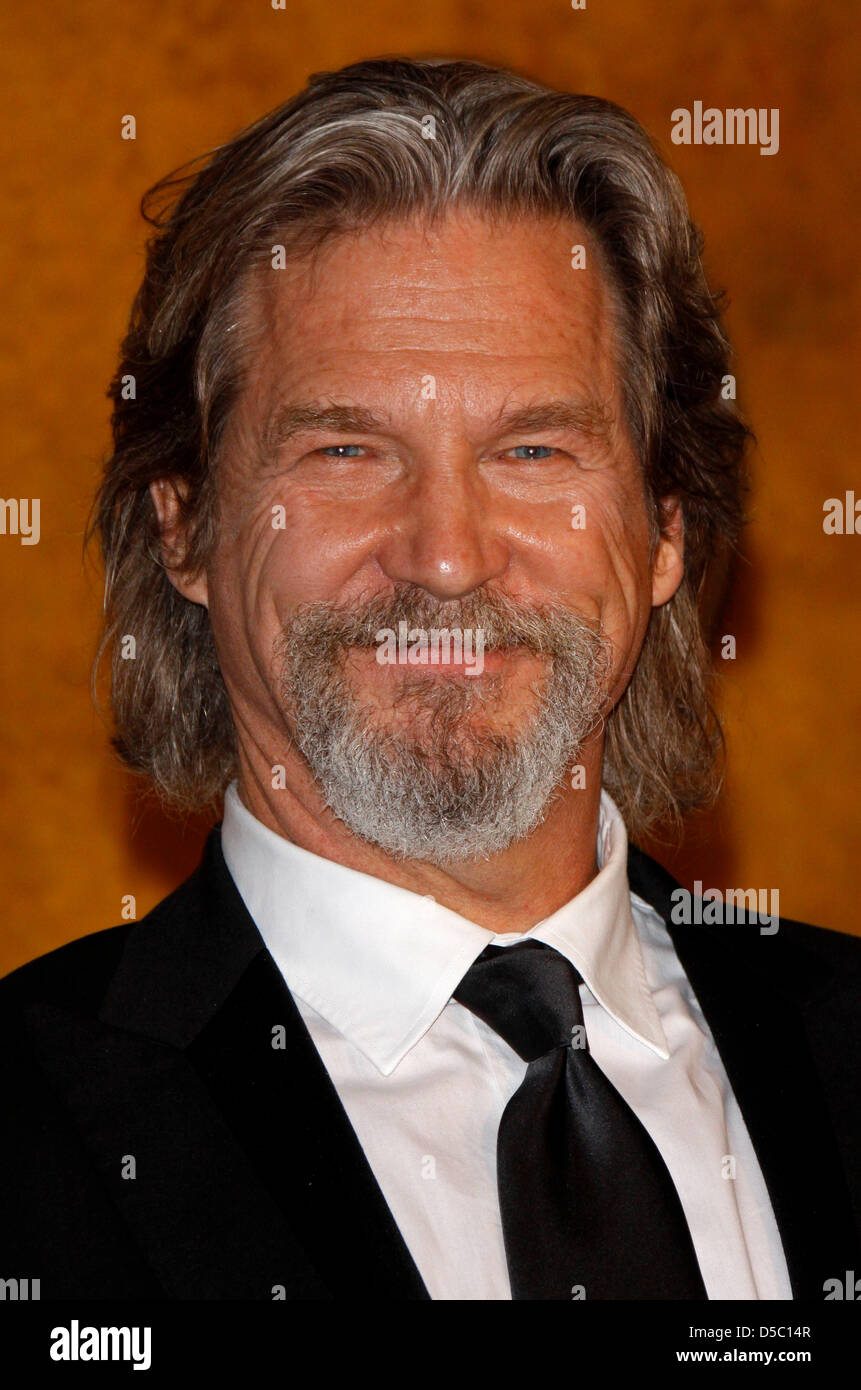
[491,661]
[487,664]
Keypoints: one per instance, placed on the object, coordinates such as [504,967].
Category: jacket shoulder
[839,948]
[835,950]
[76,976]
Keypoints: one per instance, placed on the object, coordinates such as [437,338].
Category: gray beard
[444,785]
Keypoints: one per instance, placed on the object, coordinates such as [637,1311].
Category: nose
[445,537]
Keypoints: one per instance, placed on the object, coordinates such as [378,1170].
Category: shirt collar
[380,962]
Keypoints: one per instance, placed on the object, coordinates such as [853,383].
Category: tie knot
[527,994]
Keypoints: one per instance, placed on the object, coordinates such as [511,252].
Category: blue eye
[338,450]
[534,451]
[529,452]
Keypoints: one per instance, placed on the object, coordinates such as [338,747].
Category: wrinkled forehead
[488,291]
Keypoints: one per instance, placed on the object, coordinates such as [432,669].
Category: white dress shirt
[424,1082]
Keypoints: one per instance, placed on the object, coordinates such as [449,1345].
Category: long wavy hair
[388,139]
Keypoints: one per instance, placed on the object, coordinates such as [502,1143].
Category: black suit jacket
[148,1048]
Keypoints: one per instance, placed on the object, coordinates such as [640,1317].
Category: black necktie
[587,1202]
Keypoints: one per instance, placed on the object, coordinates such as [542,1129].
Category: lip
[488,663]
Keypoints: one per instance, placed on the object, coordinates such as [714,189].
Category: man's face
[420,496]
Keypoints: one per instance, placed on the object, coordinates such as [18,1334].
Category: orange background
[781,234]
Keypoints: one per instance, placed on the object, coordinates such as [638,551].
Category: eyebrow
[586,417]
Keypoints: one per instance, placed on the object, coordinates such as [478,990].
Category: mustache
[545,629]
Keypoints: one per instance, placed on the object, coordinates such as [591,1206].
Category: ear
[668,565]
[166,494]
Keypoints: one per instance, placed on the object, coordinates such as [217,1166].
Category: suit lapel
[249,1174]
[759,995]
[282,1106]
[188,1194]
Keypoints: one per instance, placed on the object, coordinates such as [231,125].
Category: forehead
[488,305]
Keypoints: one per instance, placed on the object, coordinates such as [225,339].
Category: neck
[509,892]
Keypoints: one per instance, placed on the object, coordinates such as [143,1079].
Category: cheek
[627,550]
[269,555]
[609,560]
[246,582]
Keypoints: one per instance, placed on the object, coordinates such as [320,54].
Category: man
[421,466]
